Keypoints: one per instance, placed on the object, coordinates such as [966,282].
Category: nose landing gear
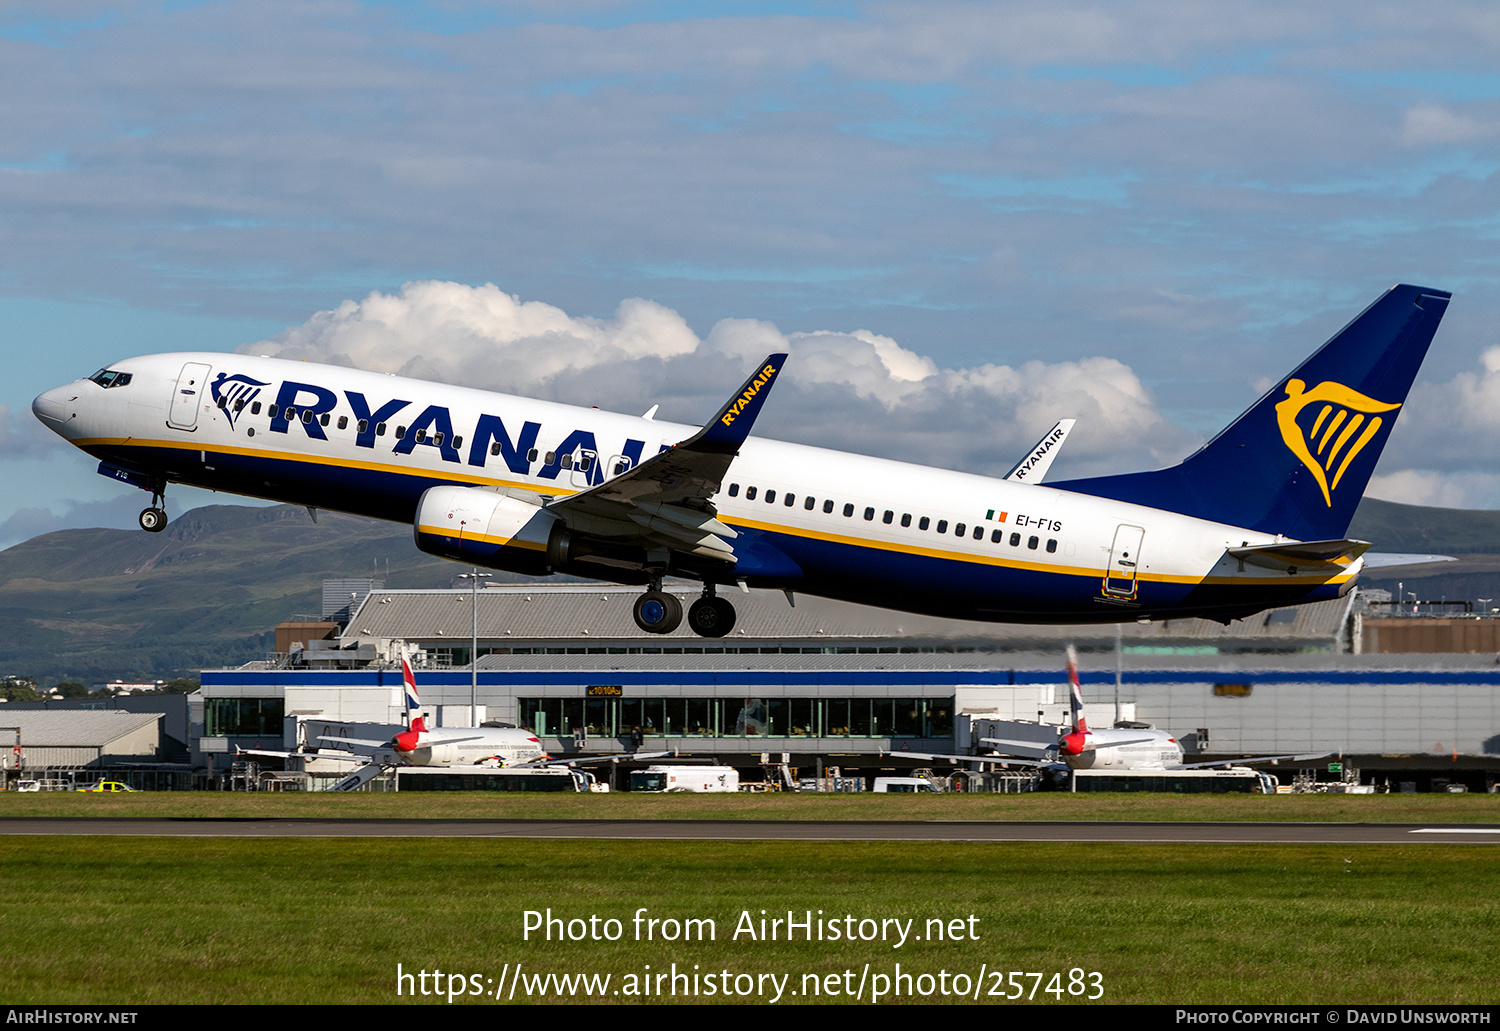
[154,519]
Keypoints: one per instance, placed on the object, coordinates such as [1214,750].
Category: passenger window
[255,408]
[239,406]
[905,518]
[1031,542]
[942,526]
[771,497]
[324,420]
[457,442]
[848,511]
[828,507]
[307,417]
[749,493]
[996,536]
[495,448]
[223,403]
[437,438]
[923,523]
[958,529]
[400,432]
[551,457]
[809,503]
[380,430]
[584,461]
[1051,545]
[620,467]
[979,533]
[530,455]
[869,514]
[1015,540]
[272,411]
[291,413]
[734,490]
[343,422]
[791,499]
[421,436]
[889,515]
[567,461]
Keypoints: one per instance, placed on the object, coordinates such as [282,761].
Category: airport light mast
[474,579]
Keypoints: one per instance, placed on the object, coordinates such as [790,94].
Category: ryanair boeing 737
[1255,519]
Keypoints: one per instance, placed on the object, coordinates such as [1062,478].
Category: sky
[964,220]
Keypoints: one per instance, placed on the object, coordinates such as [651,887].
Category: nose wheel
[658,612]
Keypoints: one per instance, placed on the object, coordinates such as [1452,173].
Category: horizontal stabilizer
[1301,556]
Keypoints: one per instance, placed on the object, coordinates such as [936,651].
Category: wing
[1305,757]
[579,760]
[666,497]
[1038,460]
[1003,760]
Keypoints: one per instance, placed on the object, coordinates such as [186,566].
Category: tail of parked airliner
[1076,739]
[414,721]
[1297,462]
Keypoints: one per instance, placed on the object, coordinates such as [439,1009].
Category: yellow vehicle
[105,786]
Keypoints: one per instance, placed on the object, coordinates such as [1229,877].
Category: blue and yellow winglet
[728,429]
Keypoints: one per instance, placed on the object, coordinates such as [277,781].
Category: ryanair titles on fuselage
[431,426]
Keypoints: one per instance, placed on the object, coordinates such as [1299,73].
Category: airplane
[1078,747]
[1255,519]
[420,745]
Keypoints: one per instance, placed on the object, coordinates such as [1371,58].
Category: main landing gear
[658,612]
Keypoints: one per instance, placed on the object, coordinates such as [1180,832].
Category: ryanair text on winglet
[744,399]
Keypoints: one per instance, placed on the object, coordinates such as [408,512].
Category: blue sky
[1139,210]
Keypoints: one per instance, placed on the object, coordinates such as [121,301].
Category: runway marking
[1455,830]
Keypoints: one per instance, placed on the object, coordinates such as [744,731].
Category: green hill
[92,605]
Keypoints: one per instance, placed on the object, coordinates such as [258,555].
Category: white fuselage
[1123,749]
[865,529]
[478,747]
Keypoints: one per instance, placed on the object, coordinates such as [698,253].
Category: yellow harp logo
[1338,414]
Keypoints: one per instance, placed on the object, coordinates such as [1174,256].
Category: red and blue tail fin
[1298,460]
[414,721]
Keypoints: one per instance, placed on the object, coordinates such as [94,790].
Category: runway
[770,830]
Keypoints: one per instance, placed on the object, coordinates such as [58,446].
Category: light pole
[474,579]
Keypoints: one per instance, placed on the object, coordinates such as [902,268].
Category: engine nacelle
[484,528]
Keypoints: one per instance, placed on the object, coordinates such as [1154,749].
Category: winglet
[729,428]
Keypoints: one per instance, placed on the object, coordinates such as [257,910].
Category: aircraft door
[1124,561]
[584,473]
[619,465]
[192,385]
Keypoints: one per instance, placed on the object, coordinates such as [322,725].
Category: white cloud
[1431,124]
[857,391]
[1437,490]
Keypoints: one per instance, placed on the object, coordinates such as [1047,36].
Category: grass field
[141,920]
[1041,806]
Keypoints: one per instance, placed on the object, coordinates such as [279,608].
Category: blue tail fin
[1297,462]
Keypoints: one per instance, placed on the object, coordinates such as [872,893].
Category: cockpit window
[107,378]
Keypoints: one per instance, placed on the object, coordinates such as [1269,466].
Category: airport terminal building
[827,684]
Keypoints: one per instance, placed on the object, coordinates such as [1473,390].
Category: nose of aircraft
[52,408]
